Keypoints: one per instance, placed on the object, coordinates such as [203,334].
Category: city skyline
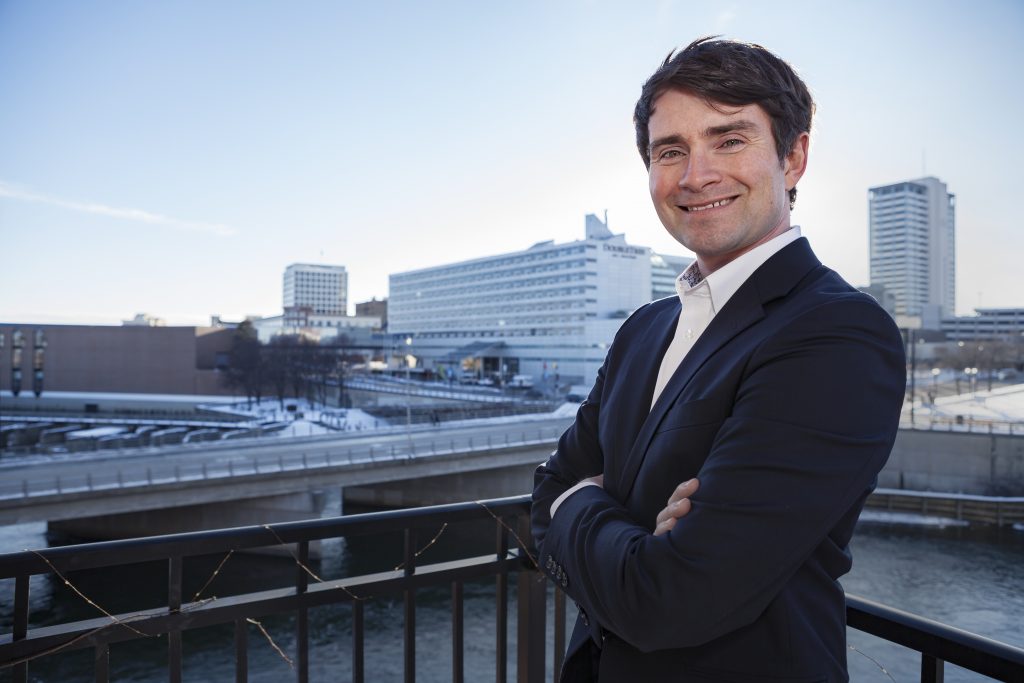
[174,159]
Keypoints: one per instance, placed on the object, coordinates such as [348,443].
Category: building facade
[314,291]
[665,270]
[912,247]
[374,308]
[988,323]
[549,311]
[135,359]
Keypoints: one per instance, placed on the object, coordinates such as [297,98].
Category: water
[970,577]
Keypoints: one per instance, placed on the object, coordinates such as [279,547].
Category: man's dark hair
[731,73]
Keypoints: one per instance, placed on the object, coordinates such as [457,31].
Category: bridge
[193,486]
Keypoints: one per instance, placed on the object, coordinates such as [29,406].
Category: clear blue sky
[174,157]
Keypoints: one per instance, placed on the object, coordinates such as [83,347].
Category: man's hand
[678,506]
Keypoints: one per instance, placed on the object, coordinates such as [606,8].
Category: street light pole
[408,386]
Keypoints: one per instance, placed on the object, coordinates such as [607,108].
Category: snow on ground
[96,432]
[305,419]
[887,517]
[1005,404]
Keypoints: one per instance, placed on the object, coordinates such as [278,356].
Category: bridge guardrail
[237,467]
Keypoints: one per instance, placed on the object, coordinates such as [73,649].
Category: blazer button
[583,615]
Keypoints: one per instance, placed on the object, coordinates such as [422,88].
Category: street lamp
[409,360]
[972,379]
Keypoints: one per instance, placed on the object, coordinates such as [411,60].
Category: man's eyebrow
[739,125]
[666,140]
[731,127]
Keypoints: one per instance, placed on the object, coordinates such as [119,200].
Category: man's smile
[710,205]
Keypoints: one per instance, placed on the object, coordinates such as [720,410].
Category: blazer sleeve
[577,457]
[814,419]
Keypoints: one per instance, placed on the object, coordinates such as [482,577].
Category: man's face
[715,176]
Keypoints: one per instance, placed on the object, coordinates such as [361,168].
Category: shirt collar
[724,282]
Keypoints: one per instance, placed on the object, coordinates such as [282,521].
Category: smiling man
[699,510]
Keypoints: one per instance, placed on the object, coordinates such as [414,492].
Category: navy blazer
[786,408]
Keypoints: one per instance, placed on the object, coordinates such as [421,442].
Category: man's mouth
[704,207]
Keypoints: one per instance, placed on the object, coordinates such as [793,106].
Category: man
[699,510]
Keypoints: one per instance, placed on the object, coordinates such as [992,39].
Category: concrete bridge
[208,485]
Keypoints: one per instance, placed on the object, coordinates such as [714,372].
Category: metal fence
[512,557]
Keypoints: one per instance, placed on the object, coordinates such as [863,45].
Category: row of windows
[528,300]
[402,285]
[562,331]
[484,308]
[489,264]
[538,282]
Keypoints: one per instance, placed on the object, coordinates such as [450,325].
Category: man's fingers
[684,490]
[665,527]
[673,511]
[678,506]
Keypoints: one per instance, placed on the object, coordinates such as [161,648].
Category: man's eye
[732,143]
[670,155]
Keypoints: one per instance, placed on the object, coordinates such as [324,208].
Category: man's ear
[795,162]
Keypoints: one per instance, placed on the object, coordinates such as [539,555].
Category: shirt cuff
[569,492]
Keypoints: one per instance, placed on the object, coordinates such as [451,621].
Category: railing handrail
[126,551]
[936,642]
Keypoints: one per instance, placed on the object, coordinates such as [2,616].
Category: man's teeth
[720,202]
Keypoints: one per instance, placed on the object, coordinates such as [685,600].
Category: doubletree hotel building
[549,311]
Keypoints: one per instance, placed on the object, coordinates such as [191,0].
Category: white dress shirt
[701,298]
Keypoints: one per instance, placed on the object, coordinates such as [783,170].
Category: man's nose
[701,171]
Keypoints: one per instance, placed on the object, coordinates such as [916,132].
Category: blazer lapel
[776,277]
[641,371]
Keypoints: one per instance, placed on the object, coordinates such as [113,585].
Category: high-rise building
[912,226]
[314,291]
[549,311]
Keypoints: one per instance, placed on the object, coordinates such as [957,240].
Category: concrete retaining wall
[956,462]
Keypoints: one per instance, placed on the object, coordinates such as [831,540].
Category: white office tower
[548,311]
[314,293]
[913,252]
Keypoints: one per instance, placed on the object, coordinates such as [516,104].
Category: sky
[174,157]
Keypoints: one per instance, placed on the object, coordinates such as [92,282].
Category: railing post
[20,630]
[302,622]
[932,669]
[241,650]
[501,606]
[410,608]
[102,666]
[174,575]
[357,641]
[532,620]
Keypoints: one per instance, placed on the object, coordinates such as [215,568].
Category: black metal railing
[512,555]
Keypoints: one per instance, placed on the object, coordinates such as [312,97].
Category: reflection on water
[969,577]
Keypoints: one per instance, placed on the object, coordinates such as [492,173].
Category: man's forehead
[715,105]
[710,112]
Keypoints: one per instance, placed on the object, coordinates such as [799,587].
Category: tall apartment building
[548,310]
[913,255]
[314,291]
